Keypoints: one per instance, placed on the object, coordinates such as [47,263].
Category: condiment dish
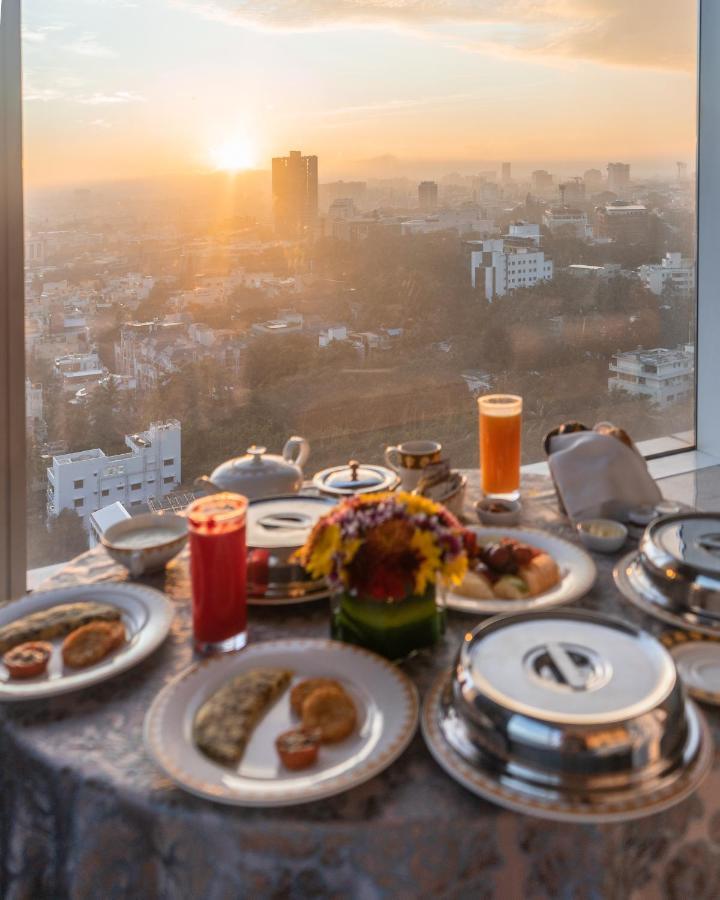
[498,512]
[602,535]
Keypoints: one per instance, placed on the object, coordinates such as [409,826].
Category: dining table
[86,812]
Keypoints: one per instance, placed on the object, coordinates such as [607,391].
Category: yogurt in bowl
[146,543]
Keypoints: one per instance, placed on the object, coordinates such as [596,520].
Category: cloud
[88,45]
[110,99]
[41,95]
[34,93]
[392,106]
[39,35]
[649,33]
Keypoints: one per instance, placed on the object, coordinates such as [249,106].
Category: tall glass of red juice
[218,568]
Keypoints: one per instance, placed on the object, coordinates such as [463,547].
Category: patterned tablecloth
[86,813]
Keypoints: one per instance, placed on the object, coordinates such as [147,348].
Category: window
[168,462]
[105,492]
[168,479]
[135,486]
[78,483]
[401,296]
[78,504]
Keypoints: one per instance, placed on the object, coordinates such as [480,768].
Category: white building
[89,480]
[288,322]
[674,271]
[498,269]
[525,230]
[566,218]
[463,220]
[332,333]
[664,376]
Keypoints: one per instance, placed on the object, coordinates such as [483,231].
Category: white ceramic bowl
[509,515]
[613,537]
[146,555]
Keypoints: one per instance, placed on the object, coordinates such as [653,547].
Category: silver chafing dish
[276,528]
[568,715]
[675,574]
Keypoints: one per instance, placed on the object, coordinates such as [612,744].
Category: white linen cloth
[597,475]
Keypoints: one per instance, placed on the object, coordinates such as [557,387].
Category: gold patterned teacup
[410,458]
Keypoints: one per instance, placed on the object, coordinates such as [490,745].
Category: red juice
[218,569]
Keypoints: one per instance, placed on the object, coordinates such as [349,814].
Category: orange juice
[500,431]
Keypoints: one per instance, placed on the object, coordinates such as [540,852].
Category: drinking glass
[218,569]
[500,431]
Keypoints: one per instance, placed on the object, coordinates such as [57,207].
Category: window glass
[347,221]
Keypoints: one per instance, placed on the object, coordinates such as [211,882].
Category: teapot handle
[303,451]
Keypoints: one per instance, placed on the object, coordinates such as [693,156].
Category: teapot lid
[355,478]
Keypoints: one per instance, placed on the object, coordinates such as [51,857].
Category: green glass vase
[394,629]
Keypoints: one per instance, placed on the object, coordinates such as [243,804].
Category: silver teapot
[261,474]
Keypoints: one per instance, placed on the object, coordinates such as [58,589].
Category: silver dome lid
[569,705]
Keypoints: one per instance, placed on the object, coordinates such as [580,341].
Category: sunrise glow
[234,155]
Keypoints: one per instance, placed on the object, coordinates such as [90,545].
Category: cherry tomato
[297,749]
[28,660]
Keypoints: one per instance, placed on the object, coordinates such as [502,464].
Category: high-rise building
[542,181]
[618,178]
[572,191]
[428,195]
[506,172]
[295,193]
[593,181]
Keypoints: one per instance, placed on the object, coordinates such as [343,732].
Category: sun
[234,155]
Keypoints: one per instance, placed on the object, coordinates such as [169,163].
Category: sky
[118,89]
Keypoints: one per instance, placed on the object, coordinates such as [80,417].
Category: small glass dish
[602,535]
[492,511]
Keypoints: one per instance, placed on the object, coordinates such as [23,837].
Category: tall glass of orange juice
[500,430]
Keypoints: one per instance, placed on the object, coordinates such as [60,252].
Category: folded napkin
[598,475]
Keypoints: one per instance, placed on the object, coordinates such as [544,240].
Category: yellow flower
[324,546]
[416,504]
[455,570]
[350,548]
[424,543]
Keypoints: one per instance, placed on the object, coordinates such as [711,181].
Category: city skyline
[230,84]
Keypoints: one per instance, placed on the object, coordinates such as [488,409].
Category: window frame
[13,568]
[12,315]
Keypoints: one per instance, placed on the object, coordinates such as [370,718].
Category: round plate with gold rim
[385,699]
[146,614]
[577,574]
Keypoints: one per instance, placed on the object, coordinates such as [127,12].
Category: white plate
[385,698]
[146,614]
[576,567]
[698,663]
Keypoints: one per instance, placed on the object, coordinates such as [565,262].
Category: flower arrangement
[386,547]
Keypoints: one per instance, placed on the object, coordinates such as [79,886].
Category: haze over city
[117,90]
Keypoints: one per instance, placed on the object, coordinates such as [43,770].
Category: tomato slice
[28,660]
[297,749]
